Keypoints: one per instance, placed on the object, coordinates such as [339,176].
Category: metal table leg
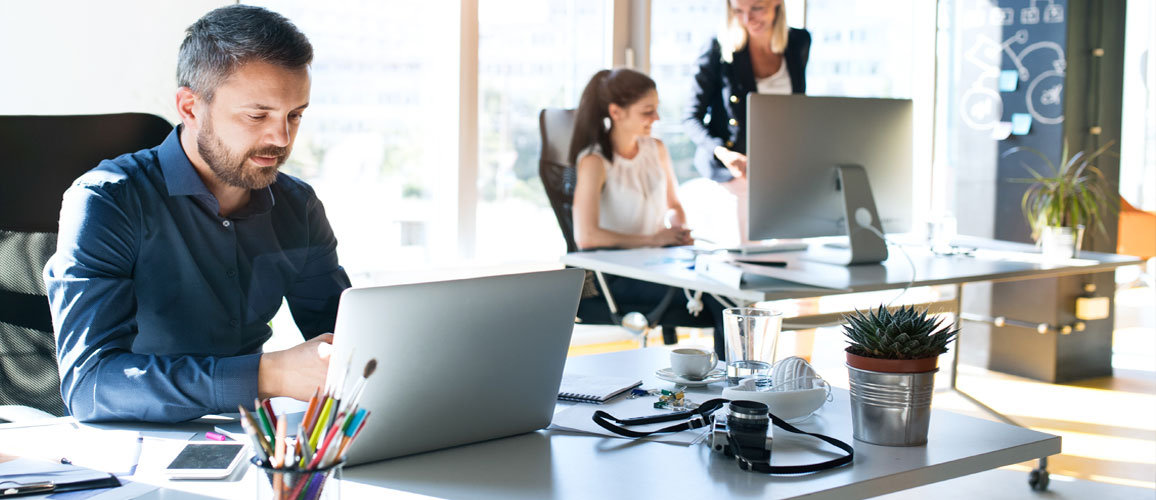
[1038,477]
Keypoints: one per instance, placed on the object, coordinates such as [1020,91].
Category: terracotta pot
[893,365]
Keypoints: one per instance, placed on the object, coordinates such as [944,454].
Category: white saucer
[716,375]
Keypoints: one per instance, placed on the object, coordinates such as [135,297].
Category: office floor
[1107,424]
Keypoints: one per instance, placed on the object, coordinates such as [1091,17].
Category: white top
[633,197]
[778,83]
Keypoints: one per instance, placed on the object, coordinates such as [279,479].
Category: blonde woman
[754,52]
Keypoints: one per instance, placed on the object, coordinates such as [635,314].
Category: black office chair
[40,156]
[559,178]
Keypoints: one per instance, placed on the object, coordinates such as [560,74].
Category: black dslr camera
[742,433]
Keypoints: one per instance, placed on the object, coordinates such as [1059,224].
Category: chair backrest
[558,175]
[40,156]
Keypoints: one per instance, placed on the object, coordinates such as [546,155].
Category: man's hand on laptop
[295,372]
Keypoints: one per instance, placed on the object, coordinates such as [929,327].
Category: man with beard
[171,261]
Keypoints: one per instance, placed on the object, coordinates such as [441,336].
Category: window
[678,35]
[383,113]
[532,54]
[1138,144]
[861,50]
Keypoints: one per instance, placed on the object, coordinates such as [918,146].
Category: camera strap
[700,417]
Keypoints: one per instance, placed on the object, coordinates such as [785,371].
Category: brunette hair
[619,86]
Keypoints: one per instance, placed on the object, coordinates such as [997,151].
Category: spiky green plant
[1075,193]
[903,334]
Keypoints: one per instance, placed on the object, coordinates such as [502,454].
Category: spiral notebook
[594,388]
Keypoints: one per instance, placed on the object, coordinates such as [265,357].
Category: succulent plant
[903,334]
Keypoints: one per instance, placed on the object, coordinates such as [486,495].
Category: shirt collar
[181,178]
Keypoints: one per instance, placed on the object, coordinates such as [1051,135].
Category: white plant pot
[1060,243]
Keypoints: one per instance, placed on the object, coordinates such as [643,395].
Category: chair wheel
[1038,480]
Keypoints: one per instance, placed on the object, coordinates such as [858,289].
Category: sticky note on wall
[1021,123]
[1008,80]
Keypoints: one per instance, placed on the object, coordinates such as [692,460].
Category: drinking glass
[751,335]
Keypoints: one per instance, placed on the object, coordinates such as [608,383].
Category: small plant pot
[891,408]
[1060,243]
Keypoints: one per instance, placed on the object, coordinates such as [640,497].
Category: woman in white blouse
[625,196]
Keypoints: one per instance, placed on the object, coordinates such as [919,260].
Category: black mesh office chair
[559,178]
[40,156]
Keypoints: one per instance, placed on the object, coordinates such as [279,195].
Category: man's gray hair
[228,37]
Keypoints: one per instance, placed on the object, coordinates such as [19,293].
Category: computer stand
[859,216]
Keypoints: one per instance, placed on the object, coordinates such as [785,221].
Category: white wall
[83,57]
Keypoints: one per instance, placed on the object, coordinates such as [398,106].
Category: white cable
[693,302]
[901,250]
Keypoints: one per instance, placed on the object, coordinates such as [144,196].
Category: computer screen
[794,143]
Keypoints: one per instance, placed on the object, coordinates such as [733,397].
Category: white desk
[994,261]
[548,464]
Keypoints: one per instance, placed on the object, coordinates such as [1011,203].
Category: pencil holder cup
[286,484]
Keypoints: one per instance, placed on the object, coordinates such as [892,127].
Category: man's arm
[314,296]
[91,293]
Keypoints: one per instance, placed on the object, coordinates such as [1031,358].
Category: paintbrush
[358,389]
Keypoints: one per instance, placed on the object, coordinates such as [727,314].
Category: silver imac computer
[809,160]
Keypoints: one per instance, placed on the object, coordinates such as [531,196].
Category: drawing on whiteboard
[1005,16]
[981,105]
[1053,14]
[1030,15]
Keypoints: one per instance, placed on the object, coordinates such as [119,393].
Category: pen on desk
[136,455]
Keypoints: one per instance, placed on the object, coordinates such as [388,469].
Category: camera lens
[747,423]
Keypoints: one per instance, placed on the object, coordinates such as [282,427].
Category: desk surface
[550,464]
[992,261]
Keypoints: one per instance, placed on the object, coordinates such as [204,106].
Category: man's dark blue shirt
[160,305]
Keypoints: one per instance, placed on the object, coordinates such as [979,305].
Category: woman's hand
[672,236]
[735,162]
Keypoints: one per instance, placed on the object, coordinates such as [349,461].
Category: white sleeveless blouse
[633,197]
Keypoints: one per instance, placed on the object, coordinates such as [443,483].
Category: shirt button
[227,223]
[730,144]
[733,122]
[734,98]
[231,272]
[234,322]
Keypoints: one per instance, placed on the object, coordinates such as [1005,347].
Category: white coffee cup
[692,364]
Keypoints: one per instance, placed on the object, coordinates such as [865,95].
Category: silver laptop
[457,361]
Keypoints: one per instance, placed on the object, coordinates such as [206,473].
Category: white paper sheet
[579,418]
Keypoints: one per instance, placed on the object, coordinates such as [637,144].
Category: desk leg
[957,307]
[957,323]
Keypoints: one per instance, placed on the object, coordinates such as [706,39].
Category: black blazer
[720,92]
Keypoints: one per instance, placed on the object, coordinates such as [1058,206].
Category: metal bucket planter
[889,408]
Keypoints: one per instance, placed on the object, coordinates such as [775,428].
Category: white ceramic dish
[787,405]
[716,375]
